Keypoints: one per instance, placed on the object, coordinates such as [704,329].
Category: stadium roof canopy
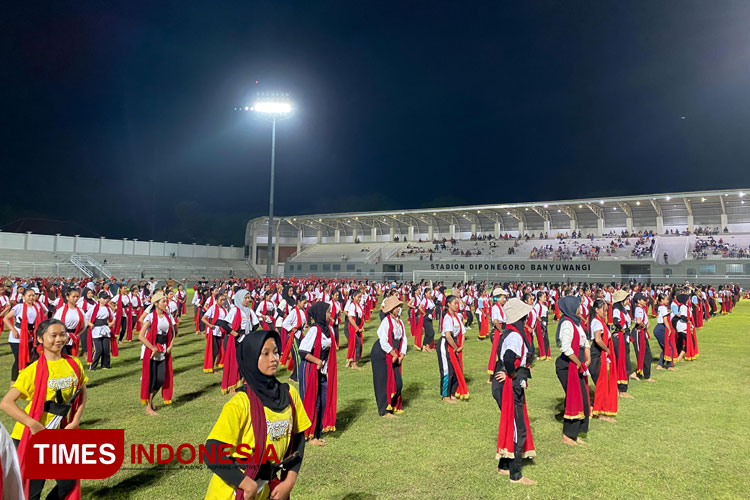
[651,211]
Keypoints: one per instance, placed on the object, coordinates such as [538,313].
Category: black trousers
[596,363]
[429,332]
[60,491]
[379,364]
[123,326]
[102,347]
[573,427]
[469,318]
[216,347]
[320,400]
[84,341]
[336,333]
[514,464]
[156,375]
[14,348]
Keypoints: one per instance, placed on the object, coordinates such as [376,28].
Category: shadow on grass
[92,422]
[185,368]
[560,410]
[409,393]
[349,414]
[190,396]
[99,381]
[127,487]
[359,496]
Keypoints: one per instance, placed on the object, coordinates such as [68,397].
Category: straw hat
[391,303]
[619,296]
[157,296]
[498,292]
[515,309]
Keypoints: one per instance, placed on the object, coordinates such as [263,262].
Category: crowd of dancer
[255,327]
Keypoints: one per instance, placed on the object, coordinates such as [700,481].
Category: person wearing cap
[514,439]
[499,298]
[621,337]
[386,357]
[157,337]
[102,344]
[572,371]
[642,345]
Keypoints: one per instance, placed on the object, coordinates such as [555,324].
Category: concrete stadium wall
[94,246]
[698,271]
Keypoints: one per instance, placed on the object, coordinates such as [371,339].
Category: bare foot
[389,415]
[581,442]
[671,369]
[449,400]
[355,366]
[649,380]
[151,412]
[348,363]
[317,442]
[504,472]
[568,441]
[607,419]
[490,380]
[659,367]
[524,480]
[634,376]
[626,395]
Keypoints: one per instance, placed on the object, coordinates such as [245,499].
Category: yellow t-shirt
[234,427]
[61,376]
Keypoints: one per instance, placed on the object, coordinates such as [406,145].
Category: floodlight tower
[275,105]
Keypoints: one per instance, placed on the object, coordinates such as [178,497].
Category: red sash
[496,334]
[230,375]
[605,397]
[506,432]
[166,389]
[462,391]
[112,338]
[351,348]
[79,327]
[37,410]
[208,355]
[23,349]
[391,384]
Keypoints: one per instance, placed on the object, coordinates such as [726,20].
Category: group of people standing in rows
[255,327]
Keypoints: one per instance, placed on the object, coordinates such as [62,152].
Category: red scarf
[166,389]
[230,374]
[37,411]
[462,392]
[260,435]
[506,432]
[311,386]
[118,316]
[79,327]
[290,341]
[573,396]
[23,349]
[670,340]
[208,358]
[391,384]
[360,321]
[605,397]
[264,324]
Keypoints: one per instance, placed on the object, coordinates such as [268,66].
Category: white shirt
[103,313]
[566,338]
[71,319]
[498,314]
[270,308]
[291,322]
[31,312]
[429,307]
[162,328]
[125,301]
[596,326]
[514,342]
[661,314]
[210,313]
[398,332]
[248,320]
[452,325]
[307,344]
[12,485]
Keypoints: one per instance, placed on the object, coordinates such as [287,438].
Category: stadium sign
[479,266]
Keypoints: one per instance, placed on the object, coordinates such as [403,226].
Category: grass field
[685,436]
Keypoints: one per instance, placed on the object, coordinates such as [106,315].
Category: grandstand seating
[38,263]
[347,252]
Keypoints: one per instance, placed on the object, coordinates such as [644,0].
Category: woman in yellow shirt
[65,382]
[282,429]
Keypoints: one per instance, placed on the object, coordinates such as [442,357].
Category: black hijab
[568,306]
[273,394]
[288,296]
[318,316]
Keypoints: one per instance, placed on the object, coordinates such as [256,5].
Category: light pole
[273,105]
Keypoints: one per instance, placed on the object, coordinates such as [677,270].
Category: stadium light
[275,105]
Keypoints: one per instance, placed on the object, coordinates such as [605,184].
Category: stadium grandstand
[667,237]
[31,254]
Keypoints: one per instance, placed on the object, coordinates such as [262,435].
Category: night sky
[120,115]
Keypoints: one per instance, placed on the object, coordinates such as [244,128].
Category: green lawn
[685,436]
